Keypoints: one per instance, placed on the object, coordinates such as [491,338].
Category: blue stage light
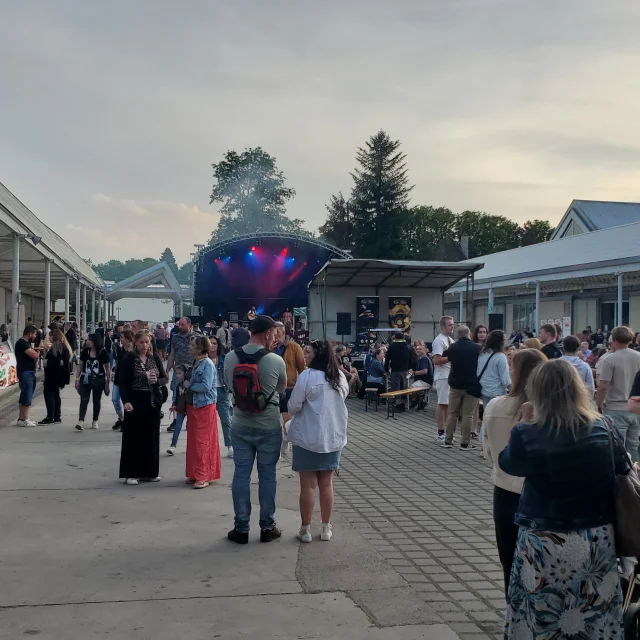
[250,253]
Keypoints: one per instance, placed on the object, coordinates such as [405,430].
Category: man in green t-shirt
[257,435]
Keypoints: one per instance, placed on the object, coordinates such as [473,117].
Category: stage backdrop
[368,318]
[400,312]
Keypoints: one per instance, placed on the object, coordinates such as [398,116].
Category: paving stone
[485,616]
[473,605]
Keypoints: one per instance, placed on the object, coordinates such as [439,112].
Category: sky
[111,113]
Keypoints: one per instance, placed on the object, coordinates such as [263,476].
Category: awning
[360,273]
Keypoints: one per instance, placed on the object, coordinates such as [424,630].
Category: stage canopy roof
[359,273]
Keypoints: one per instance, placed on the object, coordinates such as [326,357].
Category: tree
[185,273]
[534,231]
[168,257]
[425,228]
[380,198]
[486,233]
[339,228]
[253,192]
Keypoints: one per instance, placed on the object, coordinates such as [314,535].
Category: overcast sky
[111,113]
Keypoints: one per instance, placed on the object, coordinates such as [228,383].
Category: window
[523,315]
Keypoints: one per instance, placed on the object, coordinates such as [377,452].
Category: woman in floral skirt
[564,581]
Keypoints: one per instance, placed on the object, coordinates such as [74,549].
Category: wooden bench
[391,396]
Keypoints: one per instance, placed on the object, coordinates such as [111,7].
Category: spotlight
[253,248]
[250,253]
[305,264]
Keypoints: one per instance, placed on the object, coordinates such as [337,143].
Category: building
[589,275]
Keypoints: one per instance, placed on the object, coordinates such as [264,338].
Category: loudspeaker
[343,324]
[496,321]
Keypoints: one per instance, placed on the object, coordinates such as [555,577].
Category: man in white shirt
[441,372]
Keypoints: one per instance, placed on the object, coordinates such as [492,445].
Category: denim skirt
[305,460]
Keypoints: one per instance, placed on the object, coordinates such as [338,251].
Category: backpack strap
[250,358]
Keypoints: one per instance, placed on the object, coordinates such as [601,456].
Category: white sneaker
[94,425]
[80,425]
[304,535]
[132,481]
[229,452]
[26,423]
[157,479]
[171,450]
[326,532]
[441,436]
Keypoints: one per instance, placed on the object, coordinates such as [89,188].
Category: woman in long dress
[141,379]
[203,447]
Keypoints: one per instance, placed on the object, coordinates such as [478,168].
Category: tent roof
[361,272]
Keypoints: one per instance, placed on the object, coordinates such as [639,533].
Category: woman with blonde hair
[533,343]
[142,383]
[56,375]
[500,416]
[564,580]
[203,446]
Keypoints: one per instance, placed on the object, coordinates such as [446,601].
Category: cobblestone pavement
[428,511]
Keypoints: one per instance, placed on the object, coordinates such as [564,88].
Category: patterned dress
[565,586]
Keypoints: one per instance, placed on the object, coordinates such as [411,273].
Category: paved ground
[83,555]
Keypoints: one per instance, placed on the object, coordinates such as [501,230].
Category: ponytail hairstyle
[325,359]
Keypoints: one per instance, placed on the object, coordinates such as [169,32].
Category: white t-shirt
[440,345]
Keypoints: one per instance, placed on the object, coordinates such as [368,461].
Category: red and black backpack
[247,391]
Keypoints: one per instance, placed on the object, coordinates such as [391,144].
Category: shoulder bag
[476,389]
[627,499]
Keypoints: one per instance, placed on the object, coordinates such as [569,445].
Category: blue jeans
[176,434]
[117,404]
[628,424]
[249,443]
[27,382]
[224,411]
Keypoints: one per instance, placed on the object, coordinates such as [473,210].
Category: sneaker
[156,479]
[171,450]
[239,537]
[441,436]
[172,427]
[445,444]
[57,421]
[94,425]
[326,532]
[304,536]
[117,425]
[229,452]
[46,421]
[468,447]
[25,423]
[80,425]
[131,481]
[474,435]
[267,535]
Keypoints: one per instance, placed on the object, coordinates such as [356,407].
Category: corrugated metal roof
[50,239]
[605,215]
[618,245]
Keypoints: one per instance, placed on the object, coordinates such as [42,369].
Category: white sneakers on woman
[304,535]
[132,481]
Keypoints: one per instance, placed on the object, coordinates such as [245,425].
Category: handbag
[476,389]
[627,500]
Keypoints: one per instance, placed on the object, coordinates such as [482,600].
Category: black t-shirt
[25,363]
[95,365]
[596,339]
[635,389]
[72,339]
[552,350]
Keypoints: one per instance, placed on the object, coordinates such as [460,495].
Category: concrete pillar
[490,303]
[104,308]
[84,310]
[94,323]
[461,308]
[536,314]
[78,309]
[181,307]
[47,294]
[66,298]
[16,330]
[619,319]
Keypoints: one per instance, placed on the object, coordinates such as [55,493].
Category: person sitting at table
[375,373]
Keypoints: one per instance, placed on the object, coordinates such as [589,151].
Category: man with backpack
[256,377]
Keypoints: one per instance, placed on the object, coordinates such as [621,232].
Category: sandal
[200,485]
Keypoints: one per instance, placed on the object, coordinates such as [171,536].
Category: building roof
[595,215]
[157,281]
[361,272]
[607,251]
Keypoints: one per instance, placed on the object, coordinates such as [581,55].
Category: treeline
[116,270]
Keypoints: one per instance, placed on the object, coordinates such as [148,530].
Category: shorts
[442,389]
[27,382]
[284,400]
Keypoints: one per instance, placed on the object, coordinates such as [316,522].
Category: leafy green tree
[253,194]
[185,273]
[425,228]
[339,228]
[168,257]
[380,198]
[535,231]
[486,233]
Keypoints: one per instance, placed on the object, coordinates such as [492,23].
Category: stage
[269,271]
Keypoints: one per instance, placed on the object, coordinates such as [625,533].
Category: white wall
[634,312]
[424,304]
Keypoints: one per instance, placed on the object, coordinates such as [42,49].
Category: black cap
[262,324]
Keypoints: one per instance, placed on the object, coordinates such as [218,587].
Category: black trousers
[505,505]
[53,402]
[85,394]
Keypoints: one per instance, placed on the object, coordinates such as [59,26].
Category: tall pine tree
[380,198]
[339,229]
[168,257]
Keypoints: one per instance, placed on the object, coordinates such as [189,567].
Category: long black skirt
[140,454]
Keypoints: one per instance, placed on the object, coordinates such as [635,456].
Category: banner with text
[367,318]
[400,313]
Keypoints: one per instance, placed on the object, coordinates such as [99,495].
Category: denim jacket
[203,383]
[569,482]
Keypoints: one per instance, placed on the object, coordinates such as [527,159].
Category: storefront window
[523,315]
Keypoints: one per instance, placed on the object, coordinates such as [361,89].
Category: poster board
[8,366]
[400,313]
[367,318]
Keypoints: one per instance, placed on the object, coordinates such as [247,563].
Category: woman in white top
[318,432]
[500,416]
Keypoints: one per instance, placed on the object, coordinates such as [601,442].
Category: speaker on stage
[343,324]
[496,321]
